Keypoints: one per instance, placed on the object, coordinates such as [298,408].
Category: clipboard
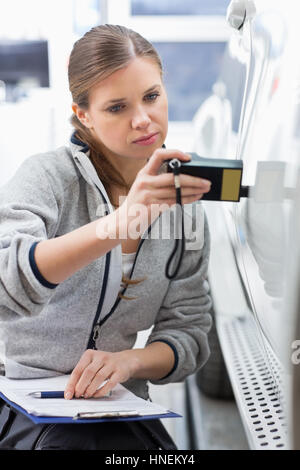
[79,420]
[125,407]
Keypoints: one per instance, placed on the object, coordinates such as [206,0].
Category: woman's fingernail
[68,395]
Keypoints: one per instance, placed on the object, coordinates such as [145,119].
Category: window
[86,15]
[190,70]
[178,7]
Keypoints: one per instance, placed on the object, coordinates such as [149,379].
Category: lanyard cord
[175,166]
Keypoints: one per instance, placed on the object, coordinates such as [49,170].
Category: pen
[56,394]
[48,394]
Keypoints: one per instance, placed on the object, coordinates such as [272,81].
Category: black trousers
[17,432]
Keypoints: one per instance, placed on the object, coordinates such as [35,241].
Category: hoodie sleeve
[183,320]
[28,214]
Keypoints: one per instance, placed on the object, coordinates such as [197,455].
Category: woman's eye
[152,96]
[115,109]
[118,107]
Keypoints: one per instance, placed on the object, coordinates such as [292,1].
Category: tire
[212,379]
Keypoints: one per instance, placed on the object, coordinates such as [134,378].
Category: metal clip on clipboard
[106,414]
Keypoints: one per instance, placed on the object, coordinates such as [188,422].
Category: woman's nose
[140,119]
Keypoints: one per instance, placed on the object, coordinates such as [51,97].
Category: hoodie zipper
[91,342]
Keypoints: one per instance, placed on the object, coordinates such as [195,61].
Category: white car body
[254,268]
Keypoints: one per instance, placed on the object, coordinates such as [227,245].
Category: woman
[67,245]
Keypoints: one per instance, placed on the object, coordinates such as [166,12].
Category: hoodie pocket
[43,437]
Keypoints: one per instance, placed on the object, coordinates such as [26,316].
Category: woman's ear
[82,115]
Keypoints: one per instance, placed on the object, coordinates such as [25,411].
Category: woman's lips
[148,141]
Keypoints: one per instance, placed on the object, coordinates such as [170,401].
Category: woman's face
[129,104]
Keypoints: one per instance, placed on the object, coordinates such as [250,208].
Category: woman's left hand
[95,367]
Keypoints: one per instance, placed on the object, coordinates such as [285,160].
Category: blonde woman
[68,256]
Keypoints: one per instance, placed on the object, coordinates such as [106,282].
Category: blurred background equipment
[23,65]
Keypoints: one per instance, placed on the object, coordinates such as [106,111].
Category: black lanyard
[175,167]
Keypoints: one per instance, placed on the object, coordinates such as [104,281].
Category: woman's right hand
[152,193]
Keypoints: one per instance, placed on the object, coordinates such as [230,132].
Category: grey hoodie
[46,327]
